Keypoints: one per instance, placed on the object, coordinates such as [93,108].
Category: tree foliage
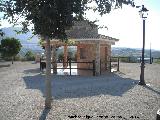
[60,57]
[52,17]
[10,47]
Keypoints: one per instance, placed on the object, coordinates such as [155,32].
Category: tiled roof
[82,30]
[107,37]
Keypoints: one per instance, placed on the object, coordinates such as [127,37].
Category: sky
[126,25]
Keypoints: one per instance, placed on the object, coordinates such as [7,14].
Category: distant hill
[27,43]
[133,52]
[24,38]
[33,45]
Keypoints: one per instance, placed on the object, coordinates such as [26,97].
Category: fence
[156,60]
[113,63]
[43,65]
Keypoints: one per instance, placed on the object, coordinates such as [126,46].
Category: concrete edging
[158,115]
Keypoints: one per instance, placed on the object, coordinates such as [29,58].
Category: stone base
[85,72]
[141,83]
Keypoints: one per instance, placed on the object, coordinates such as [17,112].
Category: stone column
[97,58]
[65,56]
[109,50]
[78,52]
[108,56]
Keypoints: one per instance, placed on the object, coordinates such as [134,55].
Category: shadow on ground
[151,89]
[8,65]
[81,86]
[44,114]
[31,71]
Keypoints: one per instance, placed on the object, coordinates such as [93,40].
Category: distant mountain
[133,52]
[33,45]
[28,42]
[24,38]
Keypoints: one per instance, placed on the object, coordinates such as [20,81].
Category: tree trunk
[12,59]
[48,99]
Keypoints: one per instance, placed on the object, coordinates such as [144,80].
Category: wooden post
[40,64]
[129,59]
[94,68]
[110,64]
[152,59]
[12,59]
[70,66]
[118,65]
[100,66]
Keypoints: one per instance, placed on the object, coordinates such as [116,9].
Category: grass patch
[157,61]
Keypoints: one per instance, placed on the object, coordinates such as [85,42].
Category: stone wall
[89,56]
[89,51]
[105,54]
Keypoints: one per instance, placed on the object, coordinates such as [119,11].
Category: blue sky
[126,25]
[154,4]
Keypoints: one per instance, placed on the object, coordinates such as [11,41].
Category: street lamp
[143,13]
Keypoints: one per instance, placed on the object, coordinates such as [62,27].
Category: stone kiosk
[90,46]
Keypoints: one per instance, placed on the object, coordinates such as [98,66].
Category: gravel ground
[111,96]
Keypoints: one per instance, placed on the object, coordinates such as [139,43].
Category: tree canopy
[52,17]
[10,47]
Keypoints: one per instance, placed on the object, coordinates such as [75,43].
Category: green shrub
[9,48]
[17,58]
[74,58]
[114,59]
[23,59]
[29,56]
[60,56]
[124,59]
